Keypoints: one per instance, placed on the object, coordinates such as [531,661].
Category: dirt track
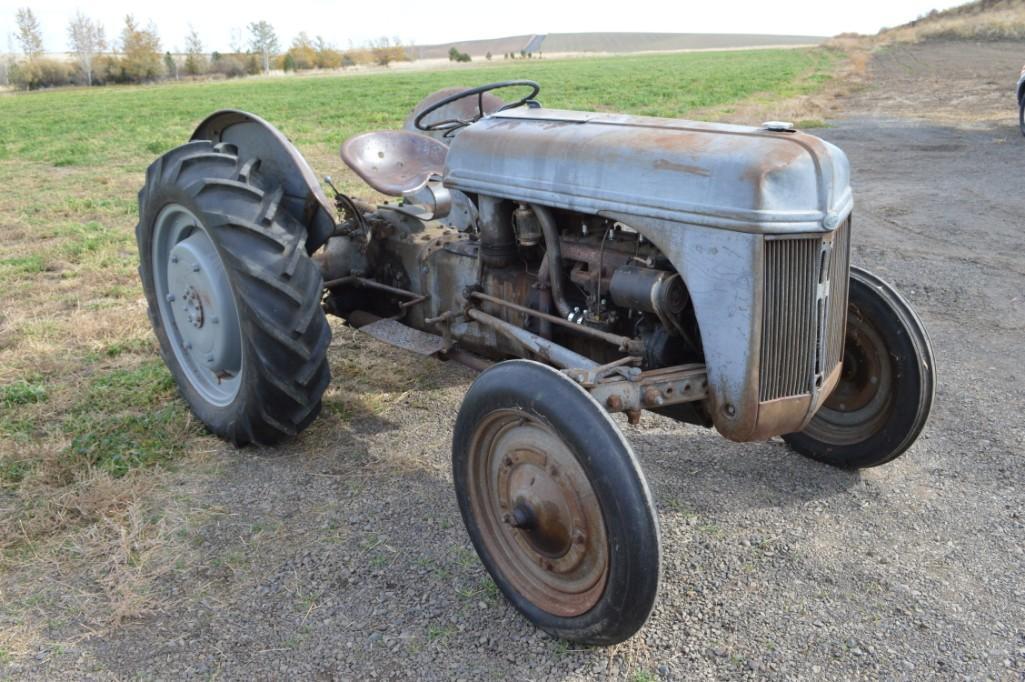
[343,556]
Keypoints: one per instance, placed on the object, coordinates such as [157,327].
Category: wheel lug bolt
[195,268]
[174,259]
[578,537]
[507,461]
[188,346]
[215,320]
[169,298]
[210,358]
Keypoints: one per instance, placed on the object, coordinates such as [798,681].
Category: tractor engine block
[611,280]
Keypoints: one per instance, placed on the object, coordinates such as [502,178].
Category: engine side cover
[724,176]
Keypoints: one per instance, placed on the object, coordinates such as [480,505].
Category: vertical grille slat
[840,282]
[798,347]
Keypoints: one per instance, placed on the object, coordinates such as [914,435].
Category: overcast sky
[441,21]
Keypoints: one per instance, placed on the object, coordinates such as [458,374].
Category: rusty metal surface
[653,389]
[715,175]
[510,289]
[398,334]
[353,280]
[279,159]
[394,162]
[864,399]
[624,343]
[536,510]
[550,352]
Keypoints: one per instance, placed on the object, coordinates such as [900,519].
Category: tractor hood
[725,176]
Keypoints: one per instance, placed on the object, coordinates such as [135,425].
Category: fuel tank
[758,180]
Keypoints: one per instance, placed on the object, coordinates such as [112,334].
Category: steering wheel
[449,126]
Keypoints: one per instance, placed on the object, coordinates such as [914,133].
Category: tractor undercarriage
[612,311]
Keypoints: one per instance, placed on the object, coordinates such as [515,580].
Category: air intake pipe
[553,257]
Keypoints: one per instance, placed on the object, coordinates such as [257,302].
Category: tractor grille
[804,313]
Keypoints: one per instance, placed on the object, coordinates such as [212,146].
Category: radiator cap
[779,126]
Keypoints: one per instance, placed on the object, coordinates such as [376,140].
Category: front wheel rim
[863,399]
[539,517]
[197,305]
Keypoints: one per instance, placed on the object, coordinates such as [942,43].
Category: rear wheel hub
[197,305]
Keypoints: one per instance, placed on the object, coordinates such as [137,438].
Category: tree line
[136,54]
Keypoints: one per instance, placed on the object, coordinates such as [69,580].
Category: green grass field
[130,125]
[87,409]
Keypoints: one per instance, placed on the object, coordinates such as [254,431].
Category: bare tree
[29,35]
[86,40]
[236,43]
[195,58]
[7,61]
[264,41]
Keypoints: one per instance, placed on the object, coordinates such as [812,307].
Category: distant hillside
[476,48]
[642,42]
[610,42]
[979,20]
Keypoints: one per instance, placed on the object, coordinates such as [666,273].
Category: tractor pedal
[407,338]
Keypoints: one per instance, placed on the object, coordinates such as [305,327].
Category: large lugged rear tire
[234,298]
[556,504]
[885,393]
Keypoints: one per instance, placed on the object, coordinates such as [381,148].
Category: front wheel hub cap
[539,514]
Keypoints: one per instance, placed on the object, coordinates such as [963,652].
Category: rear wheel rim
[863,400]
[539,517]
[197,305]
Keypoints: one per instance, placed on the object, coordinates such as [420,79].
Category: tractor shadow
[695,469]
[349,539]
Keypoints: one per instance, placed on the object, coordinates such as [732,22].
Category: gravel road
[342,555]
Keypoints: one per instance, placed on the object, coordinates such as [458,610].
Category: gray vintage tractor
[587,263]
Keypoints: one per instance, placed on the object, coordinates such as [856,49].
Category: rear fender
[279,159]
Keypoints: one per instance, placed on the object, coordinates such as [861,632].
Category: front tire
[1021,115]
[885,392]
[555,504]
[233,296]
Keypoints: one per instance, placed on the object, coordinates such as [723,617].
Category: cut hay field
[91,428]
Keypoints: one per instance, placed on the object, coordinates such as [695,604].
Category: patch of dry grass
[58,589]
[980,20]
[821,100]
[86,410]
